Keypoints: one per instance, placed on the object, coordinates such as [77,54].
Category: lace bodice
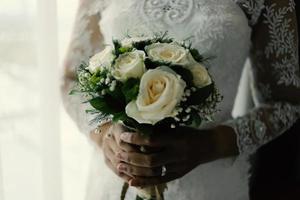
[231,30]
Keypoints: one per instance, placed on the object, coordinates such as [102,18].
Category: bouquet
[149,83]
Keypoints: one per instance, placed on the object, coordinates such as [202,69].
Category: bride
[210,163]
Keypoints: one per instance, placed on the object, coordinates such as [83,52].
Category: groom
[276,166]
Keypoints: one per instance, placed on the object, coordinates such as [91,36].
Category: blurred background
[42,155]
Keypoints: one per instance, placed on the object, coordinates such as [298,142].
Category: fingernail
[131,182]
[121,167]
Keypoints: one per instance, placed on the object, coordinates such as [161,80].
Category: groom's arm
[275,77]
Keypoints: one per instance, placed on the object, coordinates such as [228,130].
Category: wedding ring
[143,149]
[163,170]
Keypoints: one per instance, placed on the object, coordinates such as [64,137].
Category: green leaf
[83,67]
[116,104]
[100,104]
[124,49]
[196,55]
[121,116]
[74,91]
[130,89]
[144,129]
[117,46]
[200,95]
[95,79]
[141,44]
[138,198]
[196,120]
[117,93]
[165,124]
[185,74]
[163,37]
[151,64]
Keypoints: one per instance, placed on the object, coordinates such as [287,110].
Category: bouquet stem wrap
[155,192]
[152,192]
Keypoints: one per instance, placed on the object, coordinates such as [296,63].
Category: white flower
[83,78]
[113,86]
[169,52]
[102,59]
[127,42]
[129,65]
[201,77]
[161,90]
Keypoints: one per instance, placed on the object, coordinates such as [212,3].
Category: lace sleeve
[275,74]
[86,40]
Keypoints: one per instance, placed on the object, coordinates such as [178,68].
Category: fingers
[112,162]
[148,160]
[135,171]
[142,140]
[110,148]
[121,146]
[139,171]
[117,130]
[150,181]
[109,154]
[128,147]
[122,175]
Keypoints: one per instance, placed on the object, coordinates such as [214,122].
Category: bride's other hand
[179,153]
[111,144]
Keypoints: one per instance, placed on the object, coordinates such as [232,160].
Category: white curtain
[49,98]
[42,155]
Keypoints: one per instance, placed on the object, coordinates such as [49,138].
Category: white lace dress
[231,30]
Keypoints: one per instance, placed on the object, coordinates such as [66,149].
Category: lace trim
[254,132]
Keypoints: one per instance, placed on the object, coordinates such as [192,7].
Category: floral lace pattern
[275,64]
[175,11]
[252,9]
[279,27]
[81,44]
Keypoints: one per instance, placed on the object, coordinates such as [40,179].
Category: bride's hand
[179,152]
[112,145]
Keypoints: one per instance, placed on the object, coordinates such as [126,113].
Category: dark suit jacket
[275,172]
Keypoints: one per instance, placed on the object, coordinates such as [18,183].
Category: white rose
[102,59]
[169,52]
[127,42]
[161,89]
[201,77]
[129,65]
